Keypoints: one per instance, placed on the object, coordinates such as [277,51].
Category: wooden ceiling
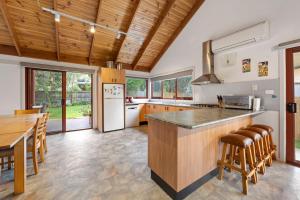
[26,30]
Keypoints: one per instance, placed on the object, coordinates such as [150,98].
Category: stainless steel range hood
[208,76]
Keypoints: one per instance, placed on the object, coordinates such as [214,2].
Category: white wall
[217,18]
[10,88]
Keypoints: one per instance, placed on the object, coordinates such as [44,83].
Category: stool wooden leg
[260,157]
[231,156]
[243,167]
[267,151]
[252,167]
[223,160]
[272,146]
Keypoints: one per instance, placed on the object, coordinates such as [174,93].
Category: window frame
[183,98]
[176,91]
[138,97]
[161,92]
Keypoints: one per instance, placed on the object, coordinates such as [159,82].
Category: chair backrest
[29,111]
[46,115]
[39,129]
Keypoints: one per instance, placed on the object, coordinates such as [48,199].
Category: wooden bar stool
[270,130]
[264,143]
[257,155]
[243,145]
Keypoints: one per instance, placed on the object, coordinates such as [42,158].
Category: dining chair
[35,143]
[29,111]
[44,138]
[6,153]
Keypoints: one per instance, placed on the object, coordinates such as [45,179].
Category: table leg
[20,166]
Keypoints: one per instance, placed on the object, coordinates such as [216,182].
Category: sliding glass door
[67,96]
[79,101]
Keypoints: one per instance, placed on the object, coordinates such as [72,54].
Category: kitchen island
[183,147]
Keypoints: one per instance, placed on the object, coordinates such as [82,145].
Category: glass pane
[48,95]
[184,87]
[136,87]
[156,86]
[297,101]
[169,89]
[79,101]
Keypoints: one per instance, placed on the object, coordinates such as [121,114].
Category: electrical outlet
[270,92]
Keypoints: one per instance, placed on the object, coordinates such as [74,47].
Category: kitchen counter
[164,104]
[183,147]
[201,117]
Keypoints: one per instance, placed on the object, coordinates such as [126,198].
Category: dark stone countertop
[201,117]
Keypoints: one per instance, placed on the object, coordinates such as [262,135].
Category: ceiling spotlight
[92,29]
[57,17]
[118,36]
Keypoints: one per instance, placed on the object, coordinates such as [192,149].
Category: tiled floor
[89,165]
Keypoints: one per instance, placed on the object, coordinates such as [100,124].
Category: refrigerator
[113,107]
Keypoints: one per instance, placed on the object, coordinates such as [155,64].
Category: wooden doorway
[67,96]
[293,105]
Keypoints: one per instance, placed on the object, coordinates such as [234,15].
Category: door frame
[290,98]
[29,82]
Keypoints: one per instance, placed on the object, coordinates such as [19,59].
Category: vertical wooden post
[20,166]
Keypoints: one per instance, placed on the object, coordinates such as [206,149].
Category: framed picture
[246,65]
[263,69]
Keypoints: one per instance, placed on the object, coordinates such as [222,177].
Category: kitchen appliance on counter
[132,116]
[113,107]
[238,102]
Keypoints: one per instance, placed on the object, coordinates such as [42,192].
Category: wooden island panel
[181,156]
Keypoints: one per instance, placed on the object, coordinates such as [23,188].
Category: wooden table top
[15,127]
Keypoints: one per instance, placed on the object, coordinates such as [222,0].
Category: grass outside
[73,112]
[297,144]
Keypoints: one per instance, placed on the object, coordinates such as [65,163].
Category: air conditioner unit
[256,33]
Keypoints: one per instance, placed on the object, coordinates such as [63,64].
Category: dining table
[14,132]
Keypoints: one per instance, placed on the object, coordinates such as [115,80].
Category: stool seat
[260,131]
[250,134]
[237,140]
[265,127]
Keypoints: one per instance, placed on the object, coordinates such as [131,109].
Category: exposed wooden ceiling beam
[93,37]
[56,33]
[8,50]
[134,11]
[196,6]
[10,25]
[160,19]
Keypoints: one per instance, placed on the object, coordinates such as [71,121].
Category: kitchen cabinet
[157,108]
[112,75]
[142,111]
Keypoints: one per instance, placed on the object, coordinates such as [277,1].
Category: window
[184,87]
[136,87]
[169,88]
[157,89]
[173,86]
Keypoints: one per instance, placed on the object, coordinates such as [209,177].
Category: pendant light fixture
[92,29]
[58,14]
[57,17]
